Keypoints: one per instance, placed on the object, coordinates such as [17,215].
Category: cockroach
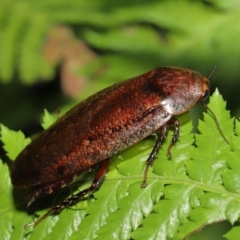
[103,125]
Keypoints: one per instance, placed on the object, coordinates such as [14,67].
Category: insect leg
[175,123]
[103,166]
[162,133]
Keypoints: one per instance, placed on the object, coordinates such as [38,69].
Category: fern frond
[198,186]
[194,34]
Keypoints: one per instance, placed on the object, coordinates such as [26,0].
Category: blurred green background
[54,53]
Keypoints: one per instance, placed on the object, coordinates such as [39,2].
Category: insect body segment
[103,125]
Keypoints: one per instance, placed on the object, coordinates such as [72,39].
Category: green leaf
[212,151]
[6,203]
[48,119]
[12,219]
[233,233]
[143,30]
[13,141]
[198,186]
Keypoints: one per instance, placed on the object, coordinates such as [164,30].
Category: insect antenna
[216,121]
[214,68]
